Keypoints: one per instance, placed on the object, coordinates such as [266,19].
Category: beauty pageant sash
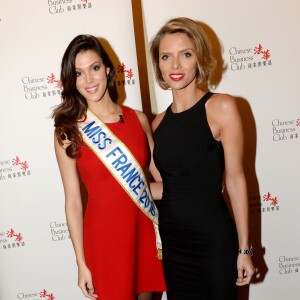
[118,159]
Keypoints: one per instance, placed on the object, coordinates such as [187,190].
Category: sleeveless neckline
[201,100]
[118,122]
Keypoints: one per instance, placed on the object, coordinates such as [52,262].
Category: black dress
[199,238]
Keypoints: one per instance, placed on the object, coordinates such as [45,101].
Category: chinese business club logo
[289,265]
[43,294]
[11,239]
[269,203]
[46,295]
[62,6]
[59,231]
[272,203]
[14,168]
[41,87]
[284,130]
[249,58]
[125,75]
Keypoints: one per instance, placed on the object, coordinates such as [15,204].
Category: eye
[78,73]
[96,67]
[164,57]
[187,54]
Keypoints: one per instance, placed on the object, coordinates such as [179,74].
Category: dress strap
[206,97]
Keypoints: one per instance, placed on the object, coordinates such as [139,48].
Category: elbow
[235,182]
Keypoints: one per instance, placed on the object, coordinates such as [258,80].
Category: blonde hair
[205,61]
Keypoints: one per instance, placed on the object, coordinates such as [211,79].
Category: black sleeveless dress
[199,238]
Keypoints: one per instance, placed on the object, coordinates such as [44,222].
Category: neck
[103,106]
[106,110]
[185,98]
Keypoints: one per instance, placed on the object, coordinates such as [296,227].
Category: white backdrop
[36,255]
[257,43]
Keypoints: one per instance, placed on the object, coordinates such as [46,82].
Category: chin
[93,99]
[178,87]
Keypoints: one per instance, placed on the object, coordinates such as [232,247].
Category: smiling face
[91,75]
[177,61]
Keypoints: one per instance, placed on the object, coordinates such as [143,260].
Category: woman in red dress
[114,242]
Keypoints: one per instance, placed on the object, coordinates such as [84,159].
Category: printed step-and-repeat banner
[256,45]
[36,256]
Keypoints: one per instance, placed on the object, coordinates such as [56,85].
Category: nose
[176,63]
[89,78]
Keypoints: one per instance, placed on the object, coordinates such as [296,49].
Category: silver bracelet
[246,251]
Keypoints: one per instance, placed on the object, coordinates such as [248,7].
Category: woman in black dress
[206,254]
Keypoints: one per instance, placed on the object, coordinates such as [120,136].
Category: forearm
[74,214]
[237,191]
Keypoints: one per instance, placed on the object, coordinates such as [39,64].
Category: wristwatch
[246,251]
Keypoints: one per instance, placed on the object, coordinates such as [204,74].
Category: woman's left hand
[245,269]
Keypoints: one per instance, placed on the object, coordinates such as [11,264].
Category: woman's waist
[193,205]
[195,213]
[198,182]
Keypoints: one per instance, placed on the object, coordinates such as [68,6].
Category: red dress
[119,239]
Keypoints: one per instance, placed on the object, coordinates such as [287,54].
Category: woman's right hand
[85,282]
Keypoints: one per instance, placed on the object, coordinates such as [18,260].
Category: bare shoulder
[221,102]
[142,117]
[222,107]
[157,120]
[143,120]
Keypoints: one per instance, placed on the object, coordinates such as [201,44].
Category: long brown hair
[73,105]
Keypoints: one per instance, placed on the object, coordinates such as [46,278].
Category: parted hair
[73,106]
[205,60]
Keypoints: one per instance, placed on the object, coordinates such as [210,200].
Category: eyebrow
[181,51]
[96,62]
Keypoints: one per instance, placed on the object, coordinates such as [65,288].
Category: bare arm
[227,126]
[74,214]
